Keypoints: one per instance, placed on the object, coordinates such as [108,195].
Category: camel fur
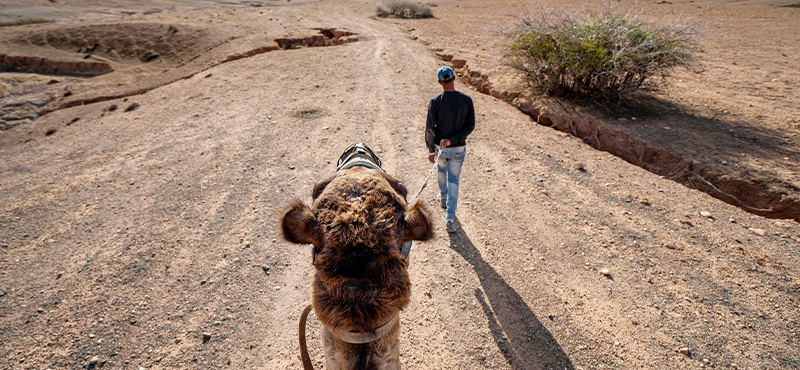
[358,225]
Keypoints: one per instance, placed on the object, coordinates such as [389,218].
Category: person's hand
[445,143]
[431,157]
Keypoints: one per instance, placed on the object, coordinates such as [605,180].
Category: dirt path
[729,123]
[126,236]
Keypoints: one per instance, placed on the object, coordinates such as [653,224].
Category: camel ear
[299,225]
[320,186]
[418,224]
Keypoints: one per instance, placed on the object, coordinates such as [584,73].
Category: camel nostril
[357,283]
[362,254]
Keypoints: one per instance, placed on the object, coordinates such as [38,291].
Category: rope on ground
[731,196]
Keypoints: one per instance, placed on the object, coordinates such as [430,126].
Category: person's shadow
[520,336]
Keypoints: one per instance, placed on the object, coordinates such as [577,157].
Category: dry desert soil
[148,147]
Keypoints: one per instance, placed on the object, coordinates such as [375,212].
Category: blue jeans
[449,170]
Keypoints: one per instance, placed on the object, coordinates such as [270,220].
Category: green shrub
[596,56]
[402,9]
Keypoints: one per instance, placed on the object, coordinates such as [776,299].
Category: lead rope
[424,184]
[302,332]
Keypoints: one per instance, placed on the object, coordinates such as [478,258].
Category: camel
[358,226]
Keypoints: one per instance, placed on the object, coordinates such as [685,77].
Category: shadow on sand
[721,135]
[520,336]
[738,160]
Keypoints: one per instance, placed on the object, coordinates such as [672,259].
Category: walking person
[451,118]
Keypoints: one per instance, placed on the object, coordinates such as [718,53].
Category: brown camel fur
[358,225]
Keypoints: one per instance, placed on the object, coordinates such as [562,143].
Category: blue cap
[445,73]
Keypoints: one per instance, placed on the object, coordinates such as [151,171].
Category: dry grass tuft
[24,22]
[309,112]
[402,9]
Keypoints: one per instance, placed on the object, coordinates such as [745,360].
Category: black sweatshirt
[451,116]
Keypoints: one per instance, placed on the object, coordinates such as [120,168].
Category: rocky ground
[138,227]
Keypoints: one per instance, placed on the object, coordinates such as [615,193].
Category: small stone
[732,220]
[684,351]
[487,170]
[758,231]
[277,288]
[291,167]
[94,360]
[265,268]
[246,244]
[705,214]
[91,335]
[724,163]
[605,272]
[483,357]
[206,335]
[177,340]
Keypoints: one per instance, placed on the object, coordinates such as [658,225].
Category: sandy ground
[128,233]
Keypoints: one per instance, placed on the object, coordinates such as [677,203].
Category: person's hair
[451,79]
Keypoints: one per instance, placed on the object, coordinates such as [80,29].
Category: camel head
[358,225]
